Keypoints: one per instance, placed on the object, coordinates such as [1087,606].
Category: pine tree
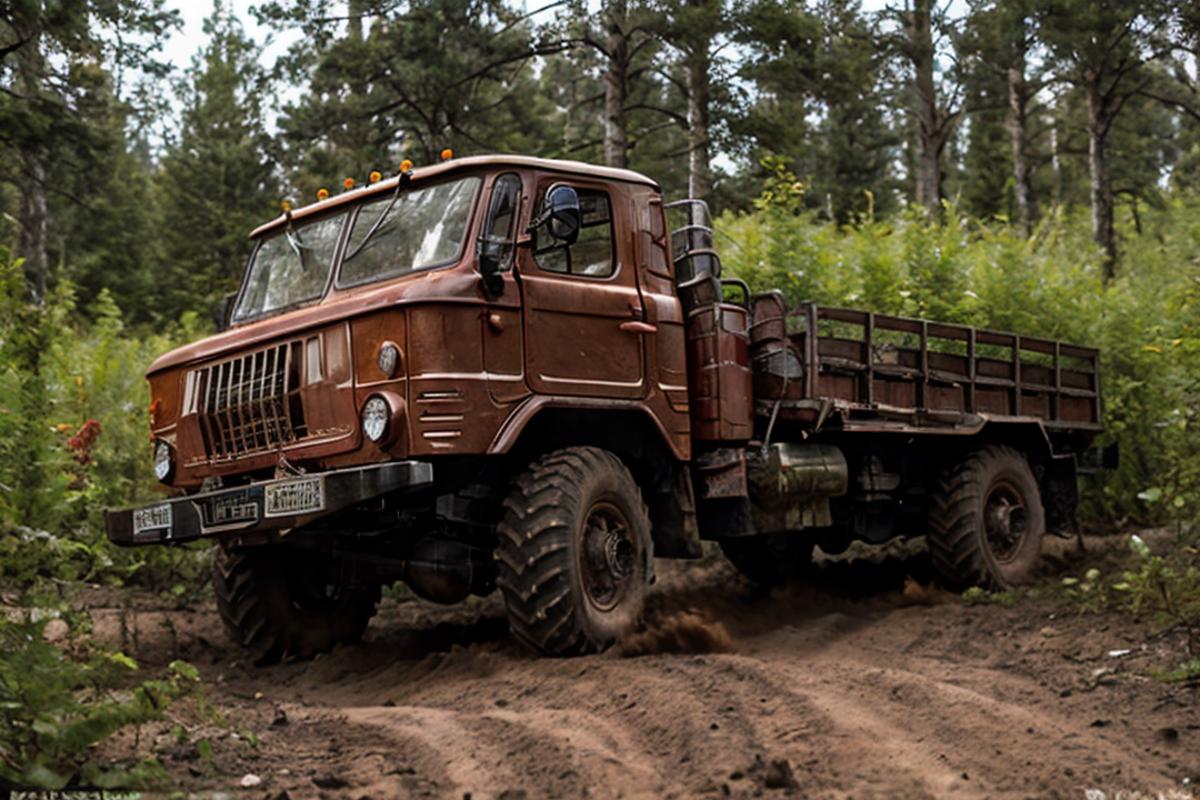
[1104,48]
[217,180]
[50,52]
[421,77]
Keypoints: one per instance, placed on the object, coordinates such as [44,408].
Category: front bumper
[266,505]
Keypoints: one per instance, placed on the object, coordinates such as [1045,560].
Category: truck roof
[432,171]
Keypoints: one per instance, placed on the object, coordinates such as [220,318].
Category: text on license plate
[152,518]
[300,496]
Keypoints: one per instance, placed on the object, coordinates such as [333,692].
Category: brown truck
[508,372]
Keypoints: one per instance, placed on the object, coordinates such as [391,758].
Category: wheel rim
[1005,520]
[607,557]
[313,586]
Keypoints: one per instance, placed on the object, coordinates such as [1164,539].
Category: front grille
[248,404]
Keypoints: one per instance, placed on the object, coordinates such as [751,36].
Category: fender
[529,408]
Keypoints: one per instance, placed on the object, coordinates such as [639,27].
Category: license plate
[300,496]
[229,510]
[152,518]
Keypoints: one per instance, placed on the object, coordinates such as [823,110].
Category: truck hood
[450,284]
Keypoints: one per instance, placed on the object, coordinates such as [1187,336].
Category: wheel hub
[1004,518]
[608,555]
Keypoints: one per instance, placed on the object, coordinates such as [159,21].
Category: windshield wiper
[405,177]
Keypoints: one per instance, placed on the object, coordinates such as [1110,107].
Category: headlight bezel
[164,461]
[380,420]
[388,359]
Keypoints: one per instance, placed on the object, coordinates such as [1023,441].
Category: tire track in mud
[858,694]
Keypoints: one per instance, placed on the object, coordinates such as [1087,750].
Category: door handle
[638,327]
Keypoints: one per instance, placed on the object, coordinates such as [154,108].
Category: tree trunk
[1102,193]
[354,25]
[699,176]
[930,130]
[1055,159]
[616,86]
[1018,107]
[31,243]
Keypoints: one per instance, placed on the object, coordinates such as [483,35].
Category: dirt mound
[826,689]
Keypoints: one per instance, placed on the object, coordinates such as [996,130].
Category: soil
[864,682]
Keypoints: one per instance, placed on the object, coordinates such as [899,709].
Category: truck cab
[378,293]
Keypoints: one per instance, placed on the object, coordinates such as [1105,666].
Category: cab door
[583,316]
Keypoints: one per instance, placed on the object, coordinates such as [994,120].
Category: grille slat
[248,404]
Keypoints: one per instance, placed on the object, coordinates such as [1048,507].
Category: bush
[54,707]
[988,274]
[73,438]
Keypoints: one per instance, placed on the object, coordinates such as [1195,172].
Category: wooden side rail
[881,361]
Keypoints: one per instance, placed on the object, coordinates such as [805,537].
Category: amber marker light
[375,176]
[348,184]
[405,166]
[322,194]
[447,154]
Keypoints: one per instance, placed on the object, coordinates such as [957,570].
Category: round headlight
[164,465]
[389,359]
[376,415]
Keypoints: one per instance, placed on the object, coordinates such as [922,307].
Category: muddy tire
[574,555]
[986,521]
[770,559]
[281,602]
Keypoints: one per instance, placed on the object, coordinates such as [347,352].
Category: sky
[187,41]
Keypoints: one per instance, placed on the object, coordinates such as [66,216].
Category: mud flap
[1060,494]
[673,525]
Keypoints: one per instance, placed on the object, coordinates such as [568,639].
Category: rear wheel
[283,602]
[986,521]
[770,559]
[574,553]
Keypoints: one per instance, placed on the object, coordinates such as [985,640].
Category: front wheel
[282,602]
[574,553]
[986,521]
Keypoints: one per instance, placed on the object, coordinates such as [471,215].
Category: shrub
[988,274]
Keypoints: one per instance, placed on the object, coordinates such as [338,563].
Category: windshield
[418,229]
[290,267]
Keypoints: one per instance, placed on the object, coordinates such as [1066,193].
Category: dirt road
[851,687]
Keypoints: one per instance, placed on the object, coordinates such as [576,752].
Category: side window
[592,254]
[499,230]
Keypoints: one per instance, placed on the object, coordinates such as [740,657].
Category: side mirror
[223,312]
[560,214]
[490,250]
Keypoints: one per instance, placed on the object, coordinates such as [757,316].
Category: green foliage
[978,596]
[54,707]
[1162,587]
[1089,591]
[1168,588]
[988,274]
[1188,671]
[217,180]
[73,430]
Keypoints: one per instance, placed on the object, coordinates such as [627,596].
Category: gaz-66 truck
[526,374]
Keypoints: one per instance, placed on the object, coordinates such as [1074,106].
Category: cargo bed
[819,366]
